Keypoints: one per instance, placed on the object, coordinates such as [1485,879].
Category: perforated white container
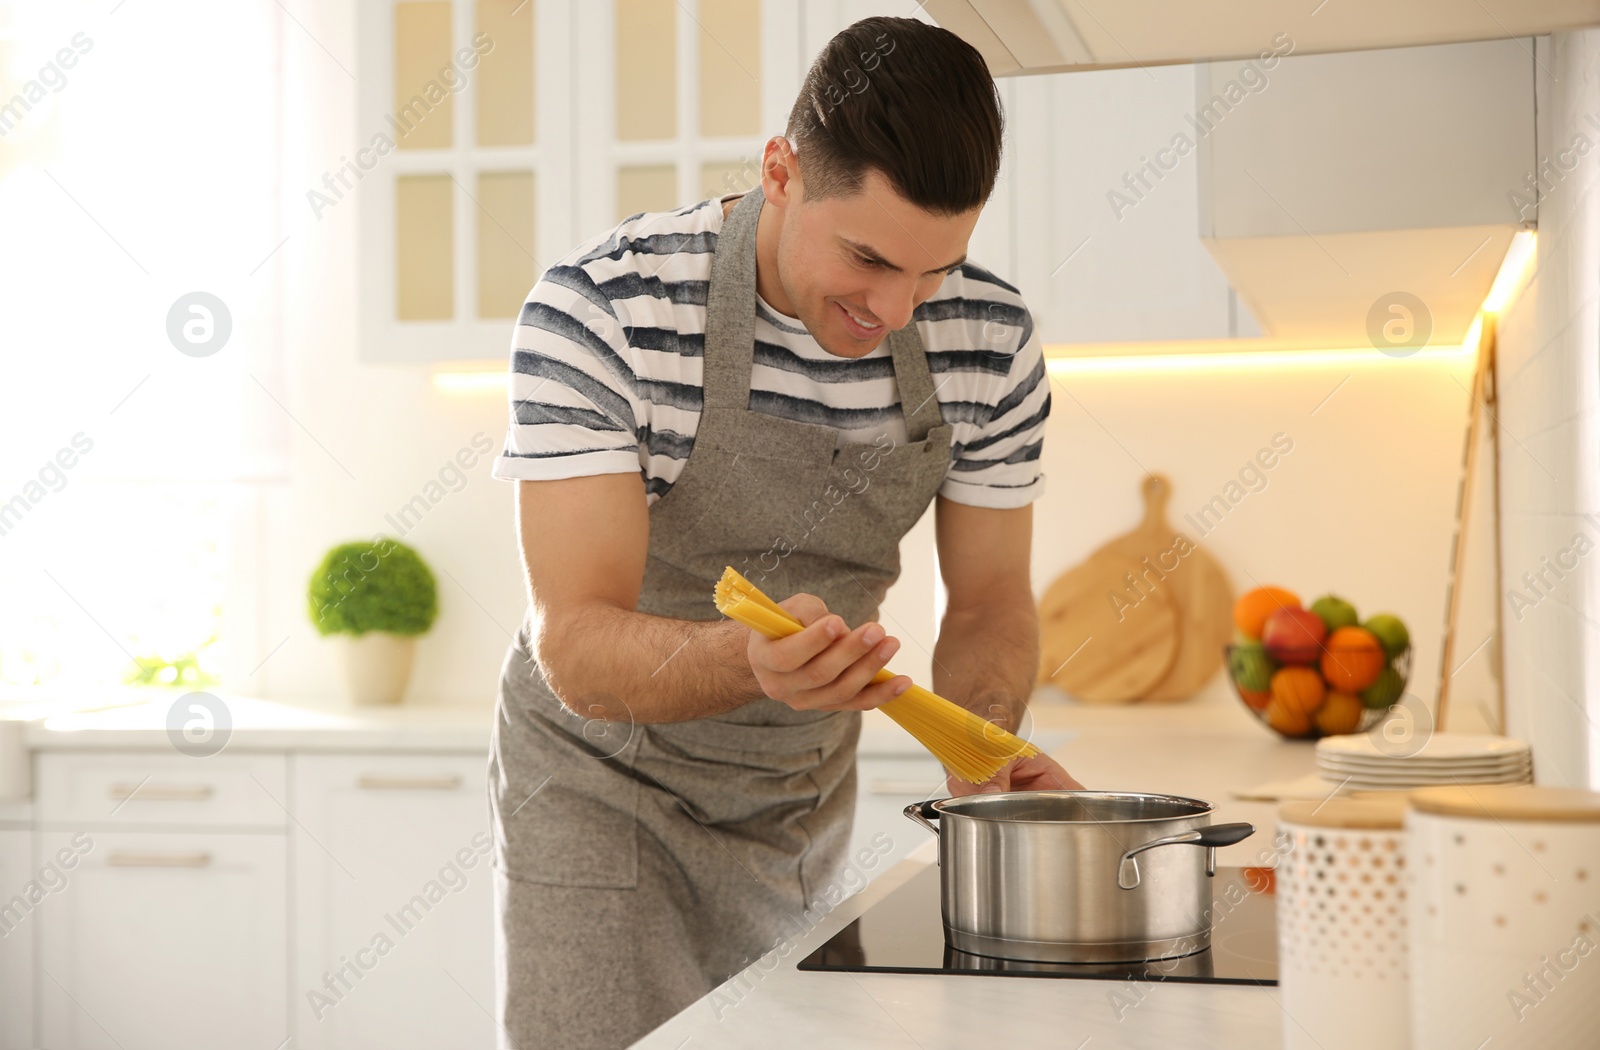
[1505,917]
[1342,968]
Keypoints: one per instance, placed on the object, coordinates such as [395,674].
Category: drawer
[138,789]
[407,778]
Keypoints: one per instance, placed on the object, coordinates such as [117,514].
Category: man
[780,382]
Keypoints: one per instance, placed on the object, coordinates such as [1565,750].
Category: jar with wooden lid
[1505,916]
[1341,925]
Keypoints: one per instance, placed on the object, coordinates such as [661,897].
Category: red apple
[1294,636]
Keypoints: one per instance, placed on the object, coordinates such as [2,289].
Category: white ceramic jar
[1342,968]
[1505,917]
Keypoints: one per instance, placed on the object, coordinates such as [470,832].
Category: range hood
[1350,197]
[1368,198]
[1041,36]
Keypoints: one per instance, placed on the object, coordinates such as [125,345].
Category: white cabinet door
[16,937]
[393,902]
[161,940]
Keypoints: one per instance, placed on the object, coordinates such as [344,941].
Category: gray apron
[639,866]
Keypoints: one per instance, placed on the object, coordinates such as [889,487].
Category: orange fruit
[1340,713]
[1352,659]
[1250,612]
[1299,688]
[1256,698]
[1287,718]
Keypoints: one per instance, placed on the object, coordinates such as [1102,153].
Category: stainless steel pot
[1076,876]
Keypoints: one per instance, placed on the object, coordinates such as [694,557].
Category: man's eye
[862,260]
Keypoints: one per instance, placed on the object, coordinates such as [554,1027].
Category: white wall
[1549,380]
[1362,506]
[368,437]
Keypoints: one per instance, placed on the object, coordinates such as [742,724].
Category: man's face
[855,267]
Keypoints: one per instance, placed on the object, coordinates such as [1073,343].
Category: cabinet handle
[376,782]
[161,792]
[122,859]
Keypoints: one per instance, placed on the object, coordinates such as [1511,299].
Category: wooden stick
[1458,549]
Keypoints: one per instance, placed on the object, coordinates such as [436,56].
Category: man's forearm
[615,664]
[987,659]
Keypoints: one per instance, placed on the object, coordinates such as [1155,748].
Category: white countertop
[263,725]
[1202,748]
[137,721]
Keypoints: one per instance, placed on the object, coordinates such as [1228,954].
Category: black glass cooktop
[904,933]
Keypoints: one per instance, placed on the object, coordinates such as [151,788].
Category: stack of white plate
[1362,761]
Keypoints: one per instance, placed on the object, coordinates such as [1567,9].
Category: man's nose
[893,302]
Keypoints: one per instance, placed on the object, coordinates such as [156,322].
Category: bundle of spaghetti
[971,748]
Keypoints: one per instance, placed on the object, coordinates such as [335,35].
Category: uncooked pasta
[970,747]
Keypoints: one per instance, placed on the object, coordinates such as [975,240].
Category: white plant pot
[377,665]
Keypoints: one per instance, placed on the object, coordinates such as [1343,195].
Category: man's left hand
[1038,773]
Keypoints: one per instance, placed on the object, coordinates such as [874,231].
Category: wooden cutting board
[1194,584]
[1099,650]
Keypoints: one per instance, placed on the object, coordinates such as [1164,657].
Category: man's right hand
[825,667]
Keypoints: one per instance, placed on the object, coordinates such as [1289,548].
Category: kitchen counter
[124,722]
[264,725]
[1202,748]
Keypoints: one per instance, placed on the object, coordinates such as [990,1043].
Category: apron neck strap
[730,329]
[731,307]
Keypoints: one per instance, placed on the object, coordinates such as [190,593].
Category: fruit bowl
[1317,670]
[1298,691]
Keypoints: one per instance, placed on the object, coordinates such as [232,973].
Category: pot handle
[924,813]
[1211,836]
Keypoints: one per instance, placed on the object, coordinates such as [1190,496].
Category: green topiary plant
[381,585]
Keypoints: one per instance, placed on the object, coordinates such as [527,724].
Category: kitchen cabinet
[1318,239]
[163,939]
[1102,252]
[16,940]
[243,899]
[143,789]
[254,898]
[1039,36]
[393,902]
[169,919]
[571,117]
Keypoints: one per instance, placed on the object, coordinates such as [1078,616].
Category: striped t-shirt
[606,368]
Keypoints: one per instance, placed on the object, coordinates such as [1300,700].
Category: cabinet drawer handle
[375,782]
[122,859]
[161,792]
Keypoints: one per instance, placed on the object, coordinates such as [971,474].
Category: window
[139,335]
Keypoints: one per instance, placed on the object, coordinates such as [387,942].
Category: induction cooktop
[904,933]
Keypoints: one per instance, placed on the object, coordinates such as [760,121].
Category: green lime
[1391,631]
[1383,692]
[1251,667]
[1335,612]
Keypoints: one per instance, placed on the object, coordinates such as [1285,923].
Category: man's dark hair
[909,100]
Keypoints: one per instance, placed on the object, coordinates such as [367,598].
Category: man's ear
[781,183]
